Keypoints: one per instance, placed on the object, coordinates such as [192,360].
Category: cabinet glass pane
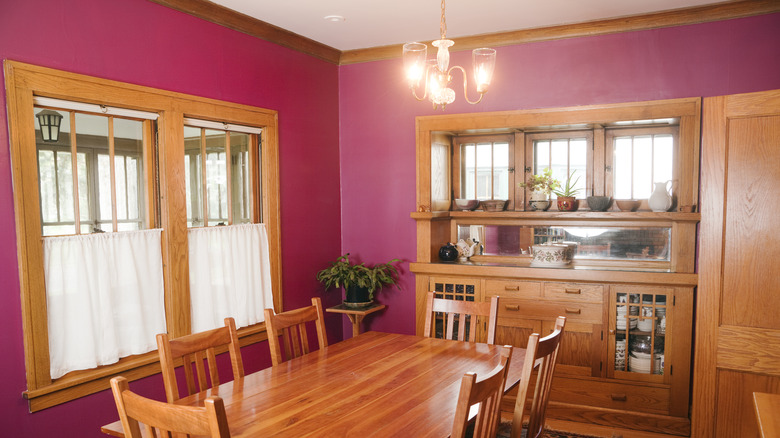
[640,332]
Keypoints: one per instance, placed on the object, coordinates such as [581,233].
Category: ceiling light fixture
[333,18]
[438,73]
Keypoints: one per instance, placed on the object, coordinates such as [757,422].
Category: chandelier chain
[443,26]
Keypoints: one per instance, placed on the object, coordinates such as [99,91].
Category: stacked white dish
[620,323]
[646,325]
[639,362]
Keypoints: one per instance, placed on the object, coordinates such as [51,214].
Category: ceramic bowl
[627,205]
[466,204]
[550,255]
[493,205]
[598,203]
[540,205]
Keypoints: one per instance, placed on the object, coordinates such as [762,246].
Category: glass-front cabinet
[637,334]
[623,276]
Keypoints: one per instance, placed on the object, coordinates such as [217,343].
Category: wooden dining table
[375,384]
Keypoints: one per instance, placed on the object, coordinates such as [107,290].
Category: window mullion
[228,178]
[114,224]
[204,186]
[74,159]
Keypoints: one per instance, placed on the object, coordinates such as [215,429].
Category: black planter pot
[357,297]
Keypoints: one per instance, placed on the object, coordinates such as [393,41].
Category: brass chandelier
[437,73]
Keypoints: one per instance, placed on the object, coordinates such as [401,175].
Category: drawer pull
[574,291]
[514,307]
[574,311]
[618,397]
[517,288]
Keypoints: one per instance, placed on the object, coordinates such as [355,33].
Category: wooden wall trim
[676,17]
[231,19]
[749,348]
[713,158]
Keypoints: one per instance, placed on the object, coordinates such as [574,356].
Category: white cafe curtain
[230,275]
[104,297]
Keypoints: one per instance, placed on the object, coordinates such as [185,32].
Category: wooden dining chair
[198,347]
[485,392]
[166,418]
[292,325]
[462,314]
[541,354]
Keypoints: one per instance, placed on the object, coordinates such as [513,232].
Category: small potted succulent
[567,194]
[358,280]
[541,186]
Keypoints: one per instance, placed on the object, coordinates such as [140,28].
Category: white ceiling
[372,23]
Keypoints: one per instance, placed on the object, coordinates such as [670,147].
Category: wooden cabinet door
[737,323]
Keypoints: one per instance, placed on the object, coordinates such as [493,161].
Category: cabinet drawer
[537,309]
[592,293]
[513,289]
[613,395]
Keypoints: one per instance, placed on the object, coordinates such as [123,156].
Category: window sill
[78,384]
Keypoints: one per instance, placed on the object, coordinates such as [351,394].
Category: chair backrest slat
[198,348]
[541,354]
[485,392]
[461,313]
[167,418]
[292,326]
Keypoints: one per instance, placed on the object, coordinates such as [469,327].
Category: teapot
[448,253]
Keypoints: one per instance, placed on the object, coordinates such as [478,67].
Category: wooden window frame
[23,82]
[590,170]
[635,131]
[594,118]
[457,165]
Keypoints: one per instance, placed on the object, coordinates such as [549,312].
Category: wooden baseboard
[622,419]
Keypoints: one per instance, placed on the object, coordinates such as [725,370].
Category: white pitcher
[661,199]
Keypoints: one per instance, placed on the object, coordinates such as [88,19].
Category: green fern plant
[343,273]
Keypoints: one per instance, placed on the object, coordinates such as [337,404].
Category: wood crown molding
[231,19]
[220,15]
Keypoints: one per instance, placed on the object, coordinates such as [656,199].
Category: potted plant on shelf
[567,194]
[358,280]
[541,186]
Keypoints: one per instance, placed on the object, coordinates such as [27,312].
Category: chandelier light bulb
[438,72]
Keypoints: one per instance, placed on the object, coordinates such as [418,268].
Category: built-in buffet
[625,280]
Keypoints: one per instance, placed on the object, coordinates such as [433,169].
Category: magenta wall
[377,114]
[132,41]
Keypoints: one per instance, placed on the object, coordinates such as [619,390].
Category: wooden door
[738,304]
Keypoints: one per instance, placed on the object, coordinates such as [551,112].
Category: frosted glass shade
[484,61]
[414,62]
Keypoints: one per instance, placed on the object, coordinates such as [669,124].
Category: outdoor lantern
[50,125]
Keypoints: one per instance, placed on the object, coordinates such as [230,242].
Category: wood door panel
[737,328]
[736,415]
[517,333]
[750,243]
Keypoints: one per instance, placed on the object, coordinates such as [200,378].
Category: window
[622,160]
[228,183]
[486,167]
[114,169]
[640,158]
[103,189]
[566,153]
